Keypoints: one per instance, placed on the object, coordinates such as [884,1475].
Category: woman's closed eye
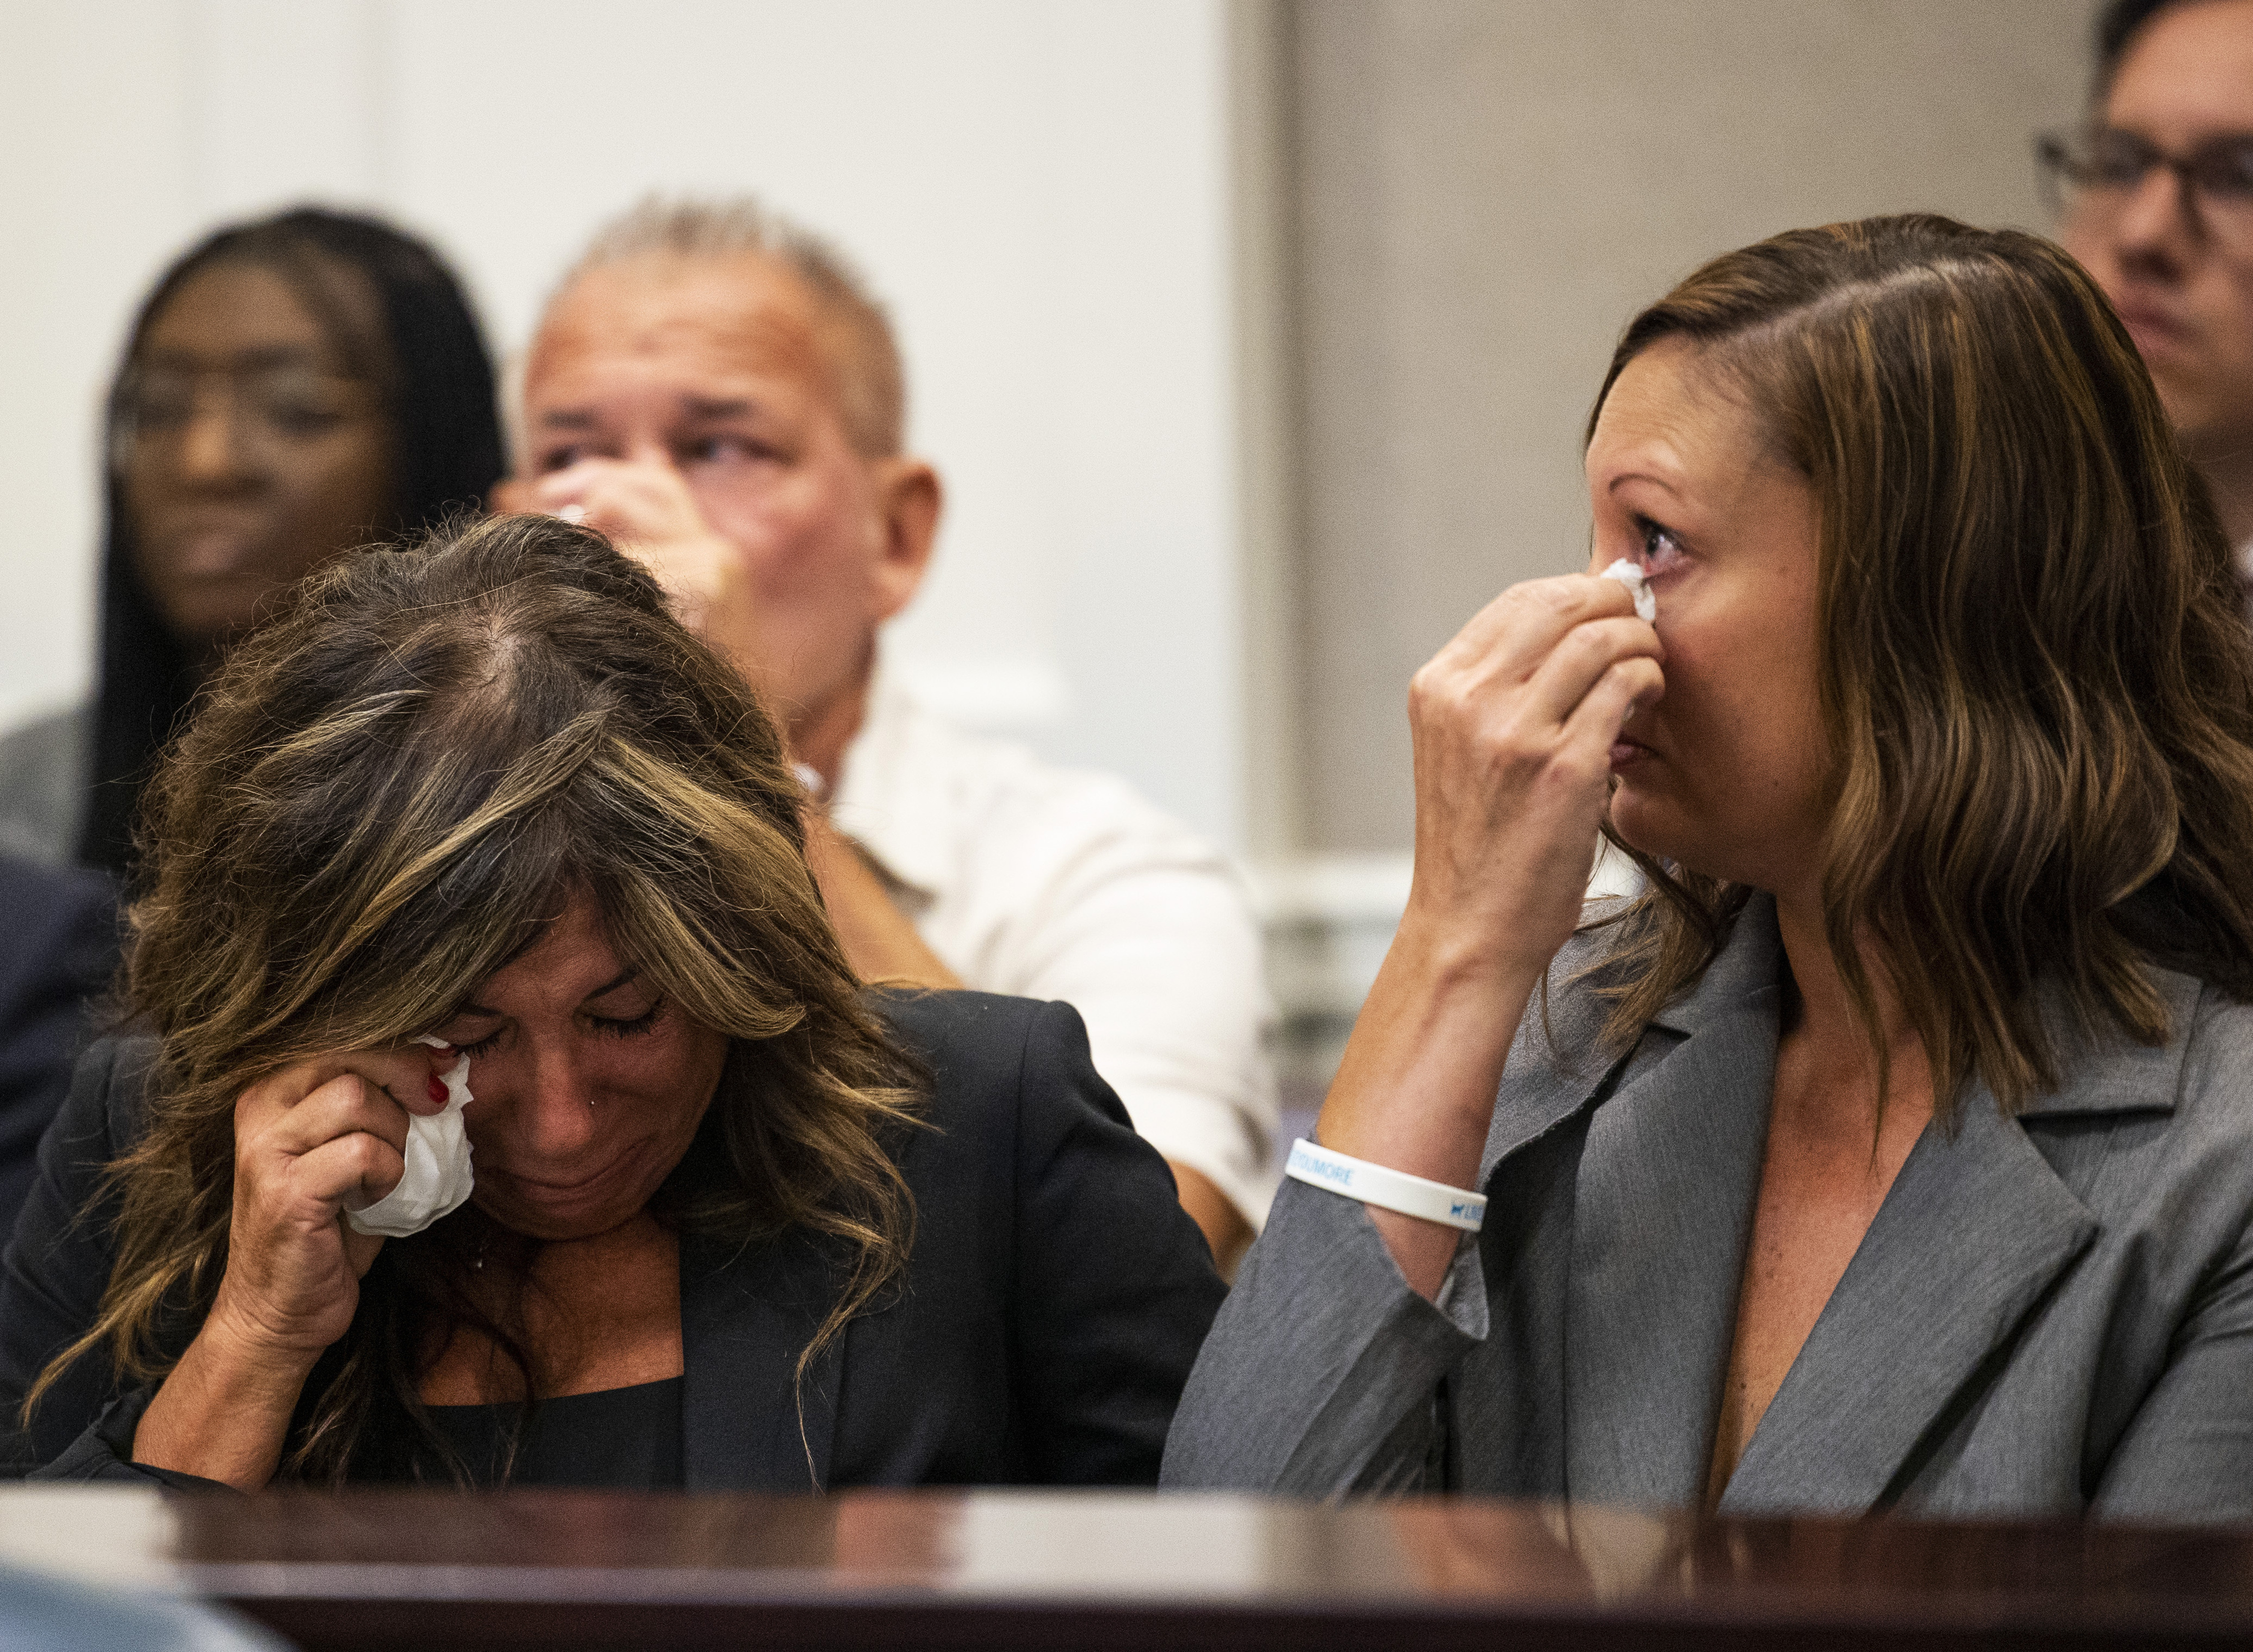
[628,1027]
[601,1025]
[484,1046]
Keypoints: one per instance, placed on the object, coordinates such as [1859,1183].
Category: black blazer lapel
[1971,1238]
[745,1315]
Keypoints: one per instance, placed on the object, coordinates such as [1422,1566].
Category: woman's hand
[311,1142]
[1514,722]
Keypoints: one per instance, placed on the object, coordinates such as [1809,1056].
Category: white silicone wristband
[1390,1189]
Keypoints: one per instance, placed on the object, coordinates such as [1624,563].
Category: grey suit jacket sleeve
[1322,1375]
[2189,1452]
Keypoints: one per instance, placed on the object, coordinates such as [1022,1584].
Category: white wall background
[1040,187]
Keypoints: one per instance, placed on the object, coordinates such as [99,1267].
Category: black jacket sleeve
[60,926]
[1115,1288]
[51,1279]
[1056,1295]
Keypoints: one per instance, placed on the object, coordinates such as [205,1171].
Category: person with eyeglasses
[2155,198]
[292,387]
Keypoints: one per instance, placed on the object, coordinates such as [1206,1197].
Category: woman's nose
[215,448]
[557,1113]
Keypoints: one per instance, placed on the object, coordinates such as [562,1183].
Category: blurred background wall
[1039,188]
[1484,193]
[1254,337]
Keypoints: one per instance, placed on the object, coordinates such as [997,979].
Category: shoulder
[913,772]
[951,1030]
[2157,1140]
[1568,1010]
[973,1039]
[102,1115]
[61,921]
[109,1089]
[43,765]
[998,1061]
[2214,1082]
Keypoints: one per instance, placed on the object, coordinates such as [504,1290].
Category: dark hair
[2116,26]
[2033,669]
[446,454]
[388,791]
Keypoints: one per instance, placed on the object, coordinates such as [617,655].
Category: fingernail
[437,1089]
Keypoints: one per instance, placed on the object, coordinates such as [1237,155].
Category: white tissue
[438,1177]
[1630,574]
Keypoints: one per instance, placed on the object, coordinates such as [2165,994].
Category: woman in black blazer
[737,1223]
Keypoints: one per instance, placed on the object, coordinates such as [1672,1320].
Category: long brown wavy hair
[2034,668]
[384,795]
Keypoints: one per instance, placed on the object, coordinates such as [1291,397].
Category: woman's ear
[909,499]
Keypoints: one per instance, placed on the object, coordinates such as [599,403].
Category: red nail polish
[438,1090]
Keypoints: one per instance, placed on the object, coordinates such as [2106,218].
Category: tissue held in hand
[437,1178]
[1630,574]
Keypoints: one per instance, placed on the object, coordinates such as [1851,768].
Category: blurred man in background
[2158,203]
[716,390]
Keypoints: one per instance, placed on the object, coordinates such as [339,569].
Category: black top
[1053,1303]
[619,1439]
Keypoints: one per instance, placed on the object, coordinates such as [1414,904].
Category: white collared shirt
[1067,884]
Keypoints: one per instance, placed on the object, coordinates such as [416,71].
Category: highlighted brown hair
[385,796]
[2034,670]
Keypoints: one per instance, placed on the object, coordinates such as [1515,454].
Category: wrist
[1448,956]
[223,1412]
[252,1358]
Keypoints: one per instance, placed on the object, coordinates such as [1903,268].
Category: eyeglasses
[2097,171]
[274,404]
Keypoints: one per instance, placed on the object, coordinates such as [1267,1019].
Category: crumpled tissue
[1629,573]
[438,1177]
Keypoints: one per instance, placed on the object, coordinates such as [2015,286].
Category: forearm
[1319,1375]
[879,941]
[224,1411]
[1415,1091]
[1225,1230]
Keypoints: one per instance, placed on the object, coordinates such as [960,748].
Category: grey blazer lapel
[745,1313]
[1663,1205]
[1970,1239]
[1976,1231]
[1663,1211]
[1557,1065]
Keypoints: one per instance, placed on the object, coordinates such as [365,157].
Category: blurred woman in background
[293,387]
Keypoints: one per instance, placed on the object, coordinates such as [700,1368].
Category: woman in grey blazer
[1895,1150]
